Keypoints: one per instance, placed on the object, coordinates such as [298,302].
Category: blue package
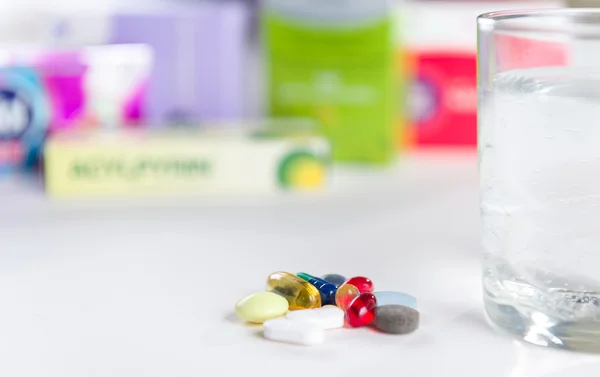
[24,118]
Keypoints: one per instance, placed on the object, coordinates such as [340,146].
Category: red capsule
[361,311]
[363,284]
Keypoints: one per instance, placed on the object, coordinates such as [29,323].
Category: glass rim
[500,20]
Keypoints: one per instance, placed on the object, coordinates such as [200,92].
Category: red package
[443,98]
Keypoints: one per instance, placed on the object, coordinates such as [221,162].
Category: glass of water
[539,164]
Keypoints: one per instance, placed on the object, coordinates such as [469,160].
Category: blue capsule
[335,279]
[395,298]
[326,289]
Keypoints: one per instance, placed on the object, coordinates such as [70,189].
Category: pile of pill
[299,308]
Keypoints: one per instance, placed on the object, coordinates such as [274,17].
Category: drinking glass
[539,166]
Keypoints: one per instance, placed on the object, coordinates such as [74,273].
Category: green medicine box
[240,160]
[335,63]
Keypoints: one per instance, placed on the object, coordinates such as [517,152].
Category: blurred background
[364,111]
[231,95]
[369,107]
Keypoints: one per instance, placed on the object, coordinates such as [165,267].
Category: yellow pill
[299,293]
[260,307]
[345,294]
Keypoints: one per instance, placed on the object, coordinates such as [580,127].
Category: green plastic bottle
[333,60]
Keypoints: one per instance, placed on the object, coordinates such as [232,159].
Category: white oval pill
[326,318]
[296,332]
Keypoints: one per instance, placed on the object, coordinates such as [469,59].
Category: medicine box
[138,162]
[442,104]
[334,64]
[199,58]
[437,47]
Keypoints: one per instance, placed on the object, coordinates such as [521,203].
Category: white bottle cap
[329,12]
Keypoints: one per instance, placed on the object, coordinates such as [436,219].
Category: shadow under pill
[233,318]
[258,334]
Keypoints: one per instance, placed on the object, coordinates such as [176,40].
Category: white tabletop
[146,289]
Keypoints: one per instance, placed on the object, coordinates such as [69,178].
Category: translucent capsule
[334,279]
[363,284]
[345,295]
[361,311]
[326,289]
[299,293]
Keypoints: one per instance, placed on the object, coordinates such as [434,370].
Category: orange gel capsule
[345,294]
